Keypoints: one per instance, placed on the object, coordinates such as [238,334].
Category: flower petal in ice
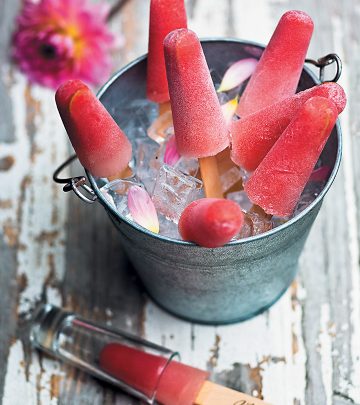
[237,73]
[142,209]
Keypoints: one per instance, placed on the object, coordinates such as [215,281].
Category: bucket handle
[327,60]
[76,183]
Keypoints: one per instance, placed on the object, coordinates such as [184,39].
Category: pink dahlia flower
[57,40]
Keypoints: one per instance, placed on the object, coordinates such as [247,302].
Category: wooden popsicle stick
[164,107]
[122,175]
[214,394]
[157,130]
[210,177]
[225,164]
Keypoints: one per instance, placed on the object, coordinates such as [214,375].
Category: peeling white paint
[12,178]
[39,235]
[43,240]
[267,339]
[254,23]
[354,387]
[268,336]
[18,390]
[251,342]
[325,348]
[216,22]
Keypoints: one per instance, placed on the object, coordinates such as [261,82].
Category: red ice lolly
[254,135]
[165,16]
[277,183]
[99,143]
[277,74]
[199,124]
[174,384]
[211,222]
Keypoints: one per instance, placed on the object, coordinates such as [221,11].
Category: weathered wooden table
[304,350]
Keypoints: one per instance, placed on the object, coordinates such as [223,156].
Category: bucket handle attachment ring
[75,183]
[327,60]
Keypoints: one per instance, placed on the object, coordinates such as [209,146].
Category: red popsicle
[180,384]
[277,183]
[277,74]
[254,135]
[99,143]
[211,222]
[165,16]
[175,384]
[200,127]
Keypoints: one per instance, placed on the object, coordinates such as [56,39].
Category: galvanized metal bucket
[226,284]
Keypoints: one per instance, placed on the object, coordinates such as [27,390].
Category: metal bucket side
[220,285]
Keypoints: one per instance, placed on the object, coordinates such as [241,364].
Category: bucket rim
[244,241]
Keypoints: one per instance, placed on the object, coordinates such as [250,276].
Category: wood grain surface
[304,350]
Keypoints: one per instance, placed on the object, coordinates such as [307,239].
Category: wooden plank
[332,319]
[310,336]
[41,144]
[315,300]
[263,356]
[99,282]
[347,380]
[39,223]
[9,203]
[7,303]
[8,10]
[40,229]
[338,300]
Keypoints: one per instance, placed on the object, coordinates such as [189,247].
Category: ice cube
[148,154]
[173,191]
[277,221]
[101,181]
[115,193]
[247,229]
[311,191]
[135,133]
[241,198]
[168,228]
[161,128]
[230,178]
[260,220]
[245,175]
[188,166]
[146,151]
[139,113]
[144,112]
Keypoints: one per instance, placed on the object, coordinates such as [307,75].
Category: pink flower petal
[171,155]
[229,109]
[142,209]
[320,174]
[237,74]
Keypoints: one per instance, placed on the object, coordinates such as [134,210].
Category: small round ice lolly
[277,183]
[211,222]
[99,143]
